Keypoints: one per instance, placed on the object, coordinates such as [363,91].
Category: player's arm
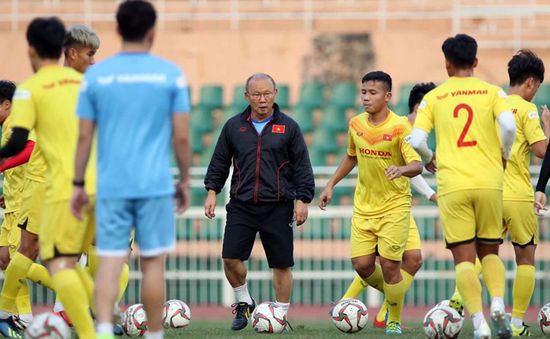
[540,195]
[539,147]
[346,165]
[420,184]
[83,148]
[218,171]
[182,152]
[303,175]
[19,159]
[507,126]
[16,143]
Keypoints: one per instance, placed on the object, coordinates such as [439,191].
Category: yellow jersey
[377,148]
[463,111]
[46,102]
[517,179]
[13,177]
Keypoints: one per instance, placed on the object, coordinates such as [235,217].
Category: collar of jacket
[246,115]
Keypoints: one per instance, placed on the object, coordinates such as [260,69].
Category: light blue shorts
[152,218]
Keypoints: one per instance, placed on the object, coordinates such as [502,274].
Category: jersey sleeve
[500,104]
[23,112]
[85,108]
[180,99]
[407,151]
[424,118]
[531,126]
[351,144]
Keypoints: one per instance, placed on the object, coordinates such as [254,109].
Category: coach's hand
[540,202]
[182,196]
[325,198]
[79,201]
[432,165]
[300,212]
[210,204]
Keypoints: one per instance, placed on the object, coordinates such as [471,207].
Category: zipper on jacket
[258,157]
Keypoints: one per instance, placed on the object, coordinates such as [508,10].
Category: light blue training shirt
[132,98]
[259,125]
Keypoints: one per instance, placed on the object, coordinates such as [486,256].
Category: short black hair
[524,65]
[259,76]
[383,77]
[135,18]
[460,50]
[418,92]
[7,88]
[46,36]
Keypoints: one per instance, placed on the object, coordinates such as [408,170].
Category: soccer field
[305,329]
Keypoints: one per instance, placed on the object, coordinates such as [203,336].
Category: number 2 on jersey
[461,142]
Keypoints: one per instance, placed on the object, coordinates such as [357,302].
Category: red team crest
[278,129]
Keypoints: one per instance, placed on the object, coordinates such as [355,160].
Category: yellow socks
[40,275]
[408,279]
[93,261]
[123,282]
[469,286]
[395,295]
[524,284]
[493,275]
[23,299]
[355,288]
[72,293]
[477,267]
[376,279]
[16,272]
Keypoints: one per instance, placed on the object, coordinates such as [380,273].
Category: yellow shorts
[386,235]
[10,234]
[470,215]
[413,242]
[32,202]
[61,234]
[521,222]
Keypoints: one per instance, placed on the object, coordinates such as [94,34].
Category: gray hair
[259,76]
[81,35]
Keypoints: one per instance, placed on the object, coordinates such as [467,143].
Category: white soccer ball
[442,322]
[447,303]
[543,319]
[268,318]
[48,325]
[350,315]
[175,314]
[134,321]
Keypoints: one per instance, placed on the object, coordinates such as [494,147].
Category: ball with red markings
[543,319]
[350,315]
[48,325]
[442,322]
[175,314]
[134,321]
[268,318]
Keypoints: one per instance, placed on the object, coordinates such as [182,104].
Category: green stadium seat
[196,140]
[402,105]
[324,140]
[239,102]
[303,116]
[543,96]
[283,96]
[211,96]
[334,119]
[201,119]
[311,95]
[344,95]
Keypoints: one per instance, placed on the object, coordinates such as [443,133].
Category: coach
[271,187]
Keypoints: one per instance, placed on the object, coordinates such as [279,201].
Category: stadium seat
[239,102]
[201,119]
[344,95]
[211,97]
[311,95]
[283,96]
[402,105]
[196,140]
[324,140]
[303,115]
[334,119]
[543,96]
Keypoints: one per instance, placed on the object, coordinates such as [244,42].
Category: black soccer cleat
[242,312]
[8,329]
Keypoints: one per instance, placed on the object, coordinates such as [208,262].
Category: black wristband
[78,183]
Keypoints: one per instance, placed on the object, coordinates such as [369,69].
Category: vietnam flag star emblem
[278,129]
[387,137]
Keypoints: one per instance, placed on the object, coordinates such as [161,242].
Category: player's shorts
[387,235]
[152,218]
[10,235]
[413,242]
[274,222]
[32,202]
[521,222]
[470,215]
[61,234]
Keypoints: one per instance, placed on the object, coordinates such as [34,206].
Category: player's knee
[363,268]
[4,258]
[412,264]
[232,264]
[29,250]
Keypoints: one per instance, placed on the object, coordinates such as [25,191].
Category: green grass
[304,329]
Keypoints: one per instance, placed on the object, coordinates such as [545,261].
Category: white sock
[517,322]
[58,306]
[154,335]
[104,328]
[242,295]
[478,318]
[283,306]
[497,304]
[4,315]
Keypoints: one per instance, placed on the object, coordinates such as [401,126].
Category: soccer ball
[447,303]
[350,315]
[48,325]
[442,322]
[268,318]
[544,319]
[175,314]
[134,321]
